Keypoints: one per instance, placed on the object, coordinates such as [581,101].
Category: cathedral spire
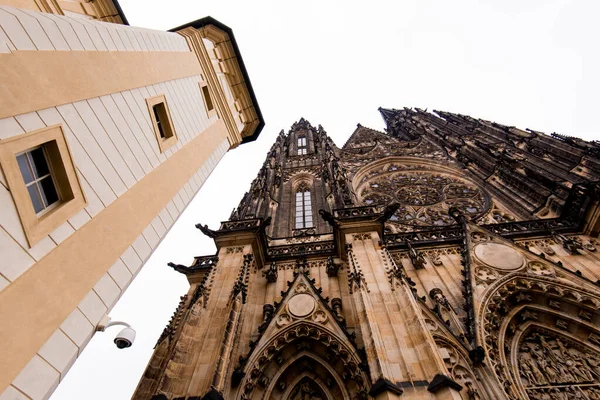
[400,124]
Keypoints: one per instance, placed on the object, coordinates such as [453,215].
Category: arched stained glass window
[304,217]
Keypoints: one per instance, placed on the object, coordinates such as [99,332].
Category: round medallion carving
[301,305]
[499,255]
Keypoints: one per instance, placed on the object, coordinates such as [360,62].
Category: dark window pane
[207,98]
[48,191]
[24,167]
[158,122]
[35,198]
[38,162]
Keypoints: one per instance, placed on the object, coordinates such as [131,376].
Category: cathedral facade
[446,258]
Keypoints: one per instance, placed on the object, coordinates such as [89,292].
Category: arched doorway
[541,334]
[305,361]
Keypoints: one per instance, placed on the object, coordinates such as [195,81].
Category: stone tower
[447,258]
[107,132]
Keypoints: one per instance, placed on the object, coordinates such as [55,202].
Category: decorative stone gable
[300,335]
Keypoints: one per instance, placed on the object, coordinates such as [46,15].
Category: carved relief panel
[542,335]
[553,366]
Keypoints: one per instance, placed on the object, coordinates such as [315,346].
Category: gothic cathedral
[447,258]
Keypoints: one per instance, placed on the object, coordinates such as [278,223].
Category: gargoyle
[328,217]
[208,232]
[389,210]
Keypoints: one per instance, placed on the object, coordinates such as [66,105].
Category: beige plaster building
[106,133]
[446,258]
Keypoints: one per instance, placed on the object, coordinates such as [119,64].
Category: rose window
[377,198]
[418,195]
[424,196]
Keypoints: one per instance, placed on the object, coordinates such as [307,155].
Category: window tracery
[302,147]
[424,196]
[304,217]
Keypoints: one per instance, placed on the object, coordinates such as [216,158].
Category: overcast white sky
[531,64]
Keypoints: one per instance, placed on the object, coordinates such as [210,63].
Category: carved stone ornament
[540,268]
[460,371]
[548,362]
[499,255]
[589,246]
[301,305]
[437,295]
[424,196]
[417,259]
[271,273]
[331,268]
[535,330]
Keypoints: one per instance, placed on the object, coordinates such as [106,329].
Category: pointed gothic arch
[327,349]
[303,213]
[299,390]
[332,389]
[536,328]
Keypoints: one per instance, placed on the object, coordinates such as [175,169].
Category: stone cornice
[232,65]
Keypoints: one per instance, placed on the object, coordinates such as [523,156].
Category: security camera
[125,338]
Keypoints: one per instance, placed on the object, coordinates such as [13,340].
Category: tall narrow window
[207,99]
[161,121]
[302,146]
[209,105]
[303,209]
[159,109]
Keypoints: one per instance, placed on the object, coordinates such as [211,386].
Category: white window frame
[302,146]
[304,216]
[37,181]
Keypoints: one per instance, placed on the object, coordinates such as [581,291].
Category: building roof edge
[121,13]
[199,23]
